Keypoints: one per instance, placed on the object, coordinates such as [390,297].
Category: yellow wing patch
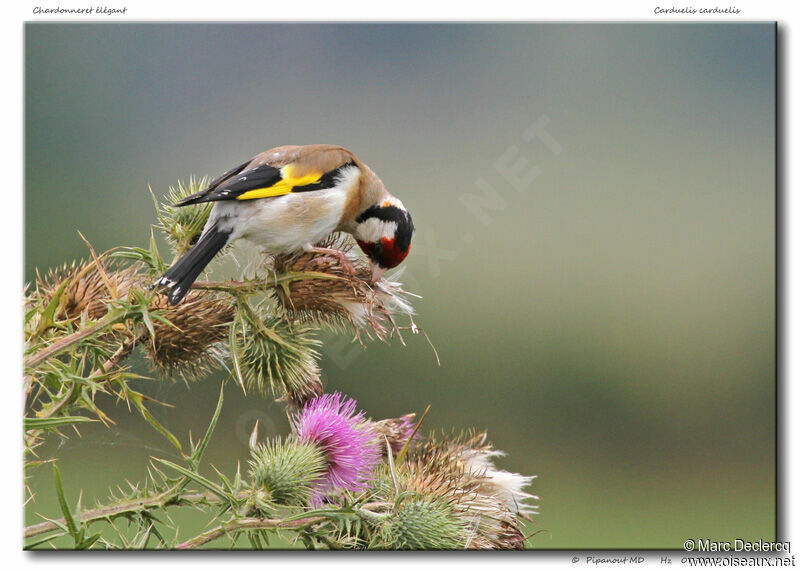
[282,187]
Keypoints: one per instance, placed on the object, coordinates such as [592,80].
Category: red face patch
[391,255]
[386,254]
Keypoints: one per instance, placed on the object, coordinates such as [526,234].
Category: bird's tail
[180,277]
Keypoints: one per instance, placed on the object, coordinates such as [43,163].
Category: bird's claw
[339,255]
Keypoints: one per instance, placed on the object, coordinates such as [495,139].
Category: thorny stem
[228,286]
[162,500]
[267,523]
[124,350]
[245,524]
[57,407]
[74,338]
[255,285]
[121,353]
[269,332]
[174,498]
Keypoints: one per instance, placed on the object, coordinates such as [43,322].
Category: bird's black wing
[233,183]
[264,181]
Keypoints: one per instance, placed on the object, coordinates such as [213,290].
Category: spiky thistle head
[182,226]
[191,340]
[421,523]
[453,471]
[351,449]
[337,297]
[471,454]
[287,471]
[82,287]
[280,357]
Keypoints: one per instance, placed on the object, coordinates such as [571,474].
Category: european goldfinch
[288,199]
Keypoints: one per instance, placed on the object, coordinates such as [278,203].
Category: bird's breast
[285,223]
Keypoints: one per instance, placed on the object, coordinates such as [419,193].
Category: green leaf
[326,512]
[403,496]
[402,454]
[150,257]
[148,321]
[164,320]
[155,201]
[57,524]
[158,262]
[200,480]
[234,351]
[62,501]
[30,314]
[137,399]
[225,480]
[87,543]
[33,423]
[50,312]
[142,542]
[255,541]
[194,459]
[157,534]
[39,541]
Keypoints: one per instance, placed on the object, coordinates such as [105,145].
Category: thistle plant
[338,480]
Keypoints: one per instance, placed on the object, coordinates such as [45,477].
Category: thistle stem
[246,524]
[268,524]
[73,339]
[122,352]
[255,285]
[165,499]
[259,323]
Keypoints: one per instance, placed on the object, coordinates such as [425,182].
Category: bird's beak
[377,272]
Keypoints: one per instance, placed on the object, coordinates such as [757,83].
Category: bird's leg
[338,254]
[377,273]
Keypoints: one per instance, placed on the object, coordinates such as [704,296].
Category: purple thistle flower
[350,447]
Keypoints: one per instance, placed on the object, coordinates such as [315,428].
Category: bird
[287,199]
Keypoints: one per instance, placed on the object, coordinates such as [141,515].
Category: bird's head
[383,231]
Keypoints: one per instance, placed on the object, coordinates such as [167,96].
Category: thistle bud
[281,358]
[287,471]
[182,226]
[422,524]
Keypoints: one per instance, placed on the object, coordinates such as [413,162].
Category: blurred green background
[608,313]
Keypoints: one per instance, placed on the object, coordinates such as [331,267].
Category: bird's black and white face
[384,232]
